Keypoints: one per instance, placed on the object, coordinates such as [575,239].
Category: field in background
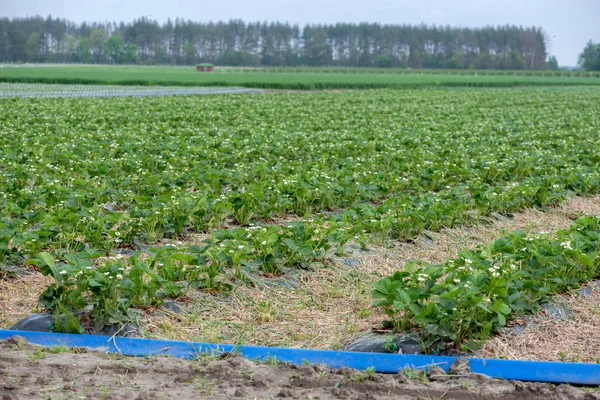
[288,78]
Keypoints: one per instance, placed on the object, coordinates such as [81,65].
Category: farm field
[255,211]
[288,78]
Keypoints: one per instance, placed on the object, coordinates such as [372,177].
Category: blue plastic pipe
[542,371]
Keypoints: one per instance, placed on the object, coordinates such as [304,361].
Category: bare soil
[32,372]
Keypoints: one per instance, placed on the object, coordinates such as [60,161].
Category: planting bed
[45,90]
[269,218]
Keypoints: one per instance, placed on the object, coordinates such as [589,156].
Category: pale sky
[568,23]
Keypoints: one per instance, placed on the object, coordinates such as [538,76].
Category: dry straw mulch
[19,297]
[575,338]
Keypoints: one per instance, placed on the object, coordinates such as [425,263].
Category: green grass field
[280,78]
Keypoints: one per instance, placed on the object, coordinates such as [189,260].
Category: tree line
[589,59]
[239,43]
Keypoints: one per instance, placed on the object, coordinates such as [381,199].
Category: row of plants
[70,229]
[460,303]
[112,288]
[325,81]
[427,71]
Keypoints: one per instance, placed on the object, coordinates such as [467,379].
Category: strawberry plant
[461,302]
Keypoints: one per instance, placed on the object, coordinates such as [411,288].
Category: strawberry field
[127,202]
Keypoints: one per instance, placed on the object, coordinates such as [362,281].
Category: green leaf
[48,259]
[272,238]
[187,258]
[501,307]
[483,307]
[384,288]
[501,319]
[126,283]
[403,296]
[291,244]
[94,283]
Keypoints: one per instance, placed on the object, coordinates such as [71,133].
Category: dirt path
[32,372]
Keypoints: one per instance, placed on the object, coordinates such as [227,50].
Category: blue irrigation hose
[541,371]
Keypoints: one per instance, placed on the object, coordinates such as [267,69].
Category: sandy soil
[31,372]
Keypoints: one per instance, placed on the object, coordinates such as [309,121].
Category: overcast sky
[568,23]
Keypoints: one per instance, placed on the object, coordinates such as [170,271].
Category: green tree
[516,61]
[32,47]
[189,49]
[457,61]
[115,48]
[98,39]
[71,46]
[384,61]
[416,54]
[131,54]
[162,55]
[589,59]
[484,61]
[83,50]
[316,49]
[553,63]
